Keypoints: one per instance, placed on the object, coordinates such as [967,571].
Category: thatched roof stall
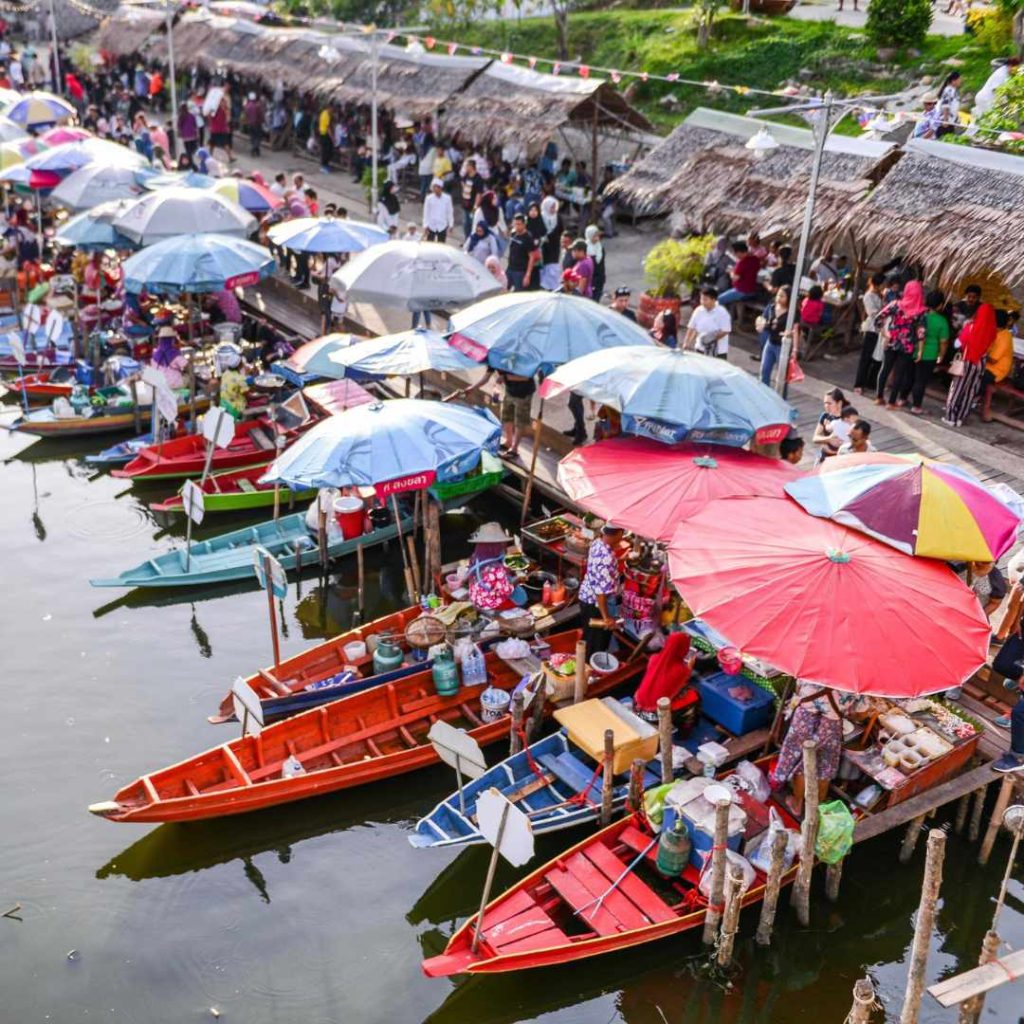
[215,42]
[507,103]
[127,30]
[704,174]
[291,55]
[956,211]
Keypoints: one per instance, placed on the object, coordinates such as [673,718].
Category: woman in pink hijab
[902,325]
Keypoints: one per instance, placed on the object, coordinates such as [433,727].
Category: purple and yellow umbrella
[916,505]
[250,195]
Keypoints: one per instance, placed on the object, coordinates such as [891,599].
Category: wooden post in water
[409,581]
[608,787]
[515,743]
[636,783]
[771,893]
[863,1002]
[718,862]
[963,805]
[136,408]
[538,425]
[970,1009]
[361,582]
[540,694]
[433,541]
[731,920]
[923,926]
[910,839]
[665,738]
[833,877]
[321,534]
[1002,802]
[974,829]
[580,688]
[801,899]
[410,545]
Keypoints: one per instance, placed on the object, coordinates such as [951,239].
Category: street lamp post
[374,141]
[58,85]
[172,71]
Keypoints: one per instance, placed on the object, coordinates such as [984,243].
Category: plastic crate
[739,717]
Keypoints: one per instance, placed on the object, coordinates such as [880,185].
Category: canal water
[321,911]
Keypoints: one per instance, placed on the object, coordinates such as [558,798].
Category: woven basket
[560,687]
[425,631]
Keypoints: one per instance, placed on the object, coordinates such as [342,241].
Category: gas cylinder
[387,656]
[445,673]
[673,850]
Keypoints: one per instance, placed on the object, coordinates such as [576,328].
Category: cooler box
[587,721]
[686,798]
[739,717]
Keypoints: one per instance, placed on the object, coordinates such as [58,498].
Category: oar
[598,900]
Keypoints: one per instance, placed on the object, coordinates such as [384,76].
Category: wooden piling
[665,738]
[974,830]
[770,902]
[924,926]
[970,1009]
[1002,802]
[963,806]
[580,688]
[910,838]
[731,920]
[833,878]
[414,565]
[863,1002]
[361,582]
[536,723]
[133,384]
[801,899]
[433,510]
[636,783]
[718,862]
[515,743]
[608,787]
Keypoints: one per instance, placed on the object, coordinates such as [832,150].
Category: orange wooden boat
[373,735]
[602,895]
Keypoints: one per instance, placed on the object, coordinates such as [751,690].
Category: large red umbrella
[825,603]
[648,487]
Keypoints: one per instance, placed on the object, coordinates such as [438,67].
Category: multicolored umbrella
[312,361]
[70,156]
[172,212]
[914,504]
[17,151]
[11,132]
[96,184]
[162,179]
[95,229]
[326,234]
[825,603]
[65,133]
[37,181]
[521,332]
[196,263]
[399,355]
[403,444]
[649,488]
[39,108]
[674,396]
[250,195]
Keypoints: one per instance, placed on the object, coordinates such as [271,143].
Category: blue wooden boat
[121,453]
[230,555]
[555,782]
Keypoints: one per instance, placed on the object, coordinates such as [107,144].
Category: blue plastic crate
[739,717]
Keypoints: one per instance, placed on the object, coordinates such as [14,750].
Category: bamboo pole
[963,805]
[665,738]
[923,926]
[731,920]
[771,893]
[863,1002]
[414,565]
[608,787]
[970,1009]
[409,581]
[718,862]
[974,829]
[536,722]
[433,510]
[361,581]
[579,691]
[1002,802]
[636,783]
[801,899]
[538,425]
[833,877]
[515,743]
[910,839]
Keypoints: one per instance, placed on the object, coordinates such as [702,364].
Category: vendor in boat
[234,386]
[600,587]
[167,358]
[668,674]
[490,582]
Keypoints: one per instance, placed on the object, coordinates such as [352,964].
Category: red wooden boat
[44,387]
[186,456]
[602,895]
[373,735]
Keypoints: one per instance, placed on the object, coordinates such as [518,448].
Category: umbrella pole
[191,366]
[538,425]
[401,544]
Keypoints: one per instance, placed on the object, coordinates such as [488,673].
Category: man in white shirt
[438,215]
[16,72]
[709,326]
[280,185]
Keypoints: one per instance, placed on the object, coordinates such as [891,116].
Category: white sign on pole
[278,582]
[219,427]
[458,749]
[54,327]
[505,827]
[246,703]
[31,317]
[193,502]
[17,349]
[163,396]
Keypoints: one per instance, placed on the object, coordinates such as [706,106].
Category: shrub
[898,22]
[671,264]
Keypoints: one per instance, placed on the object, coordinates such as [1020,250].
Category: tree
[1015,8]
[705,11]
[560,9]
[1007,111]
[898,22]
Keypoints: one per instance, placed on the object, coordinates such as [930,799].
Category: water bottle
[545,598]
[291,766]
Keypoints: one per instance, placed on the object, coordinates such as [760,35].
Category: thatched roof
[510,103]
[704,174]
[127,29]
[953,209]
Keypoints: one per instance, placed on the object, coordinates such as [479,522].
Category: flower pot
[649,307]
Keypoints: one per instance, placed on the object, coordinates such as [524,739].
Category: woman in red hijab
[902,322]
[668,675]
[974,342]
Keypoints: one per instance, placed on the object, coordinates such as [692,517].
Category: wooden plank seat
[574,773]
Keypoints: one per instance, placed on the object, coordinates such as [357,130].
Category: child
[812,309]
[838,431]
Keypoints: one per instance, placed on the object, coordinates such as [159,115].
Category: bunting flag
[584,71]
[673,76]
[556,68]
[506,58]
[616,77]
[429,42]
[452,47]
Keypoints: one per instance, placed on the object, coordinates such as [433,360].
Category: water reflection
[201,636]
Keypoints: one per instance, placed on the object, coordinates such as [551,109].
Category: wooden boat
[230,555]
[253,445]
[369,736]
[43,387]
[602,895]
[284,690]
[36,362]
[236,490]
[120,453]
[556,783]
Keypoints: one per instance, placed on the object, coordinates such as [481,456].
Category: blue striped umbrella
[197,263]
[95,229]
[326,234]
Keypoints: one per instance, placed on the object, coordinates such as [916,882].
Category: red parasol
[648,487]
[825,603]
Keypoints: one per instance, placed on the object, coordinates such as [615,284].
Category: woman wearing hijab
[489,213]
[717,265]
[493,266]
[168,360]
[388,207]
[595,250]
[974,342]
[550,248]
[482,244]
[902,325]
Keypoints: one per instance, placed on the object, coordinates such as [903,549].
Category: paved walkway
[828,10]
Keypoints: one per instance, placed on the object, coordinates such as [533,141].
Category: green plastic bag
[835,832]
[654,802]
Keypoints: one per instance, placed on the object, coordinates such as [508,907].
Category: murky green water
[321,911]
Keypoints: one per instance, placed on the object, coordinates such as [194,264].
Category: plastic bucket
[227,332]
[349,514]
[493,704]
[355,650]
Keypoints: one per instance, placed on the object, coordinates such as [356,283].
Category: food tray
[549,531]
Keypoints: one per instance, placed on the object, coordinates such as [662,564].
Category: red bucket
[350,514]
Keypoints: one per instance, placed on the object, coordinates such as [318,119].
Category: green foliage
[898,22]
[367,182]
[1007,112]
[673,264]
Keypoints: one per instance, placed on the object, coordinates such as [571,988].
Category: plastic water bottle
[291,766]
[474,668]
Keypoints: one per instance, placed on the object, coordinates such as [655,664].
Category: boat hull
[223,492]
[88,426]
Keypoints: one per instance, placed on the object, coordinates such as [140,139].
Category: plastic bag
[757,783]
[761,858]
[654,802]
[835,832]
[732,859]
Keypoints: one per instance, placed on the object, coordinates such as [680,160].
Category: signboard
[505,827]
[243,280]
[31,318]
[163,397]
[415,482]
[219,427]
[17,349]
[261,559]
[247,705]
[54,327]
[458,749]
[772,435]
[193,502]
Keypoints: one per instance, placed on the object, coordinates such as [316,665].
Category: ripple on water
[110,520]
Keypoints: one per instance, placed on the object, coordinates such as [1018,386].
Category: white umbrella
[416,275]
[94,184]
[170,212]
[9,130]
